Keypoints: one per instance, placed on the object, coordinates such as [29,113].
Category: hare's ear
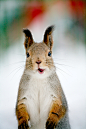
[48,40]
[28,38]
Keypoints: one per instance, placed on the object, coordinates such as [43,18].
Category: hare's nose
[38,62]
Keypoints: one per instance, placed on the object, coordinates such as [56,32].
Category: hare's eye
[49,54]
[28,55]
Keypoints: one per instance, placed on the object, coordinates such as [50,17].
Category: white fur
[39,98]
[35,74]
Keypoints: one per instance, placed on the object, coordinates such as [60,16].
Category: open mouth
[40,70]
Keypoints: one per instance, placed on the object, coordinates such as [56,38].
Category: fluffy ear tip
[50,29]
[24,30]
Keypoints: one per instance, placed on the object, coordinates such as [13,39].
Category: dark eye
[49,54]
[28,55]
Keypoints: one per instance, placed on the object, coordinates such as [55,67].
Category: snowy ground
[71,60]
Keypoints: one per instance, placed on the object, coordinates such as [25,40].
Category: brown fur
[56,113]
[22,114]
[48,40]
[29,39]
[38,51]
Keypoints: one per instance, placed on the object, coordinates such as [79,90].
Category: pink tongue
[41,70]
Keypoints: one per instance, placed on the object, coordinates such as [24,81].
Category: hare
[41,103]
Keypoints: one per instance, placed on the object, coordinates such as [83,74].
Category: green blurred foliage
[10,16]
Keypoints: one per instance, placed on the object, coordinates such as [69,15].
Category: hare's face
[39,60]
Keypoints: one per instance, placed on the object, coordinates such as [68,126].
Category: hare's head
[39,60]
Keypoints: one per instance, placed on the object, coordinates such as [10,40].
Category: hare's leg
[56,113]
[22,116]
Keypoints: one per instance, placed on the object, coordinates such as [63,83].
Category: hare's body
[40,94]
[38,101]
[41,102]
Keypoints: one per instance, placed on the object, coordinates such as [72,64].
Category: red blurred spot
[33,10]
[77,7]
[36,11]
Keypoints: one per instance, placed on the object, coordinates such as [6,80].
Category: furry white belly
[39,98]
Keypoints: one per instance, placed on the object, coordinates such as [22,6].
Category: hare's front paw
[50,125]
[25,125]
[51,122]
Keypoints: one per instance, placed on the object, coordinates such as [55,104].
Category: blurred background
[69,52]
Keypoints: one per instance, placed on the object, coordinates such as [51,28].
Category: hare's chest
[39,97]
